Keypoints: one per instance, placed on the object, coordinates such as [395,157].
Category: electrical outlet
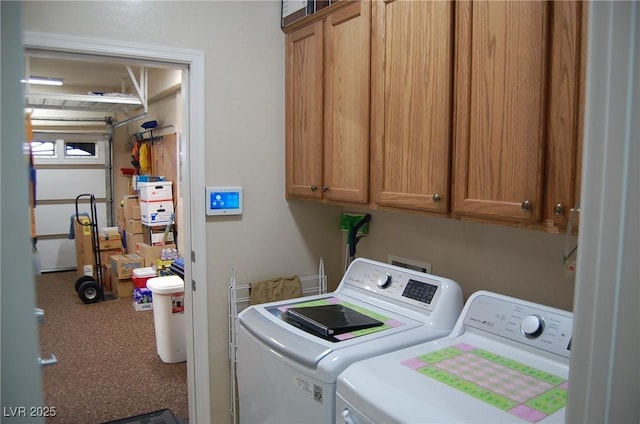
[413,264]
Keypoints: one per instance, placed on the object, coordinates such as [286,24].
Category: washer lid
[165,285]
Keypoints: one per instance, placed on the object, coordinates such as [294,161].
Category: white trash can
[169,318]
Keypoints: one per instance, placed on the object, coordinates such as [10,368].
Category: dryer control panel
[535,325]
[392,282]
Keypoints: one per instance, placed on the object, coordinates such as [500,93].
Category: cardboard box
[108,232]
[142,306]
[154,235]
[109,242]
[142,299]
[134,226]
[122,266]
[120,219]
[106,277]
[149,178]
[105,256]
[156,212]
[155,191]
[123,288]
[132,240]
[137,179]
[85,261]
[150,253]
[131,207]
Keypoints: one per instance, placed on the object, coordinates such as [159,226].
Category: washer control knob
[384,281]
[532,326]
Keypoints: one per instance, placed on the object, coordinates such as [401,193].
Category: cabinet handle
[325,188]
[436,198]
[313,187]
[526,206]
[558,210]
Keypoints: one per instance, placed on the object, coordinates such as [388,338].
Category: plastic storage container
[141,275]
[168,317]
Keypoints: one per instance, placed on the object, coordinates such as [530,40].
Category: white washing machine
[506,361]
[287,373]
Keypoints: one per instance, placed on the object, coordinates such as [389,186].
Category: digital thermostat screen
[224,200]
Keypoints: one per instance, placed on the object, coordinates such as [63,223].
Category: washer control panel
[389,281]
[535,325]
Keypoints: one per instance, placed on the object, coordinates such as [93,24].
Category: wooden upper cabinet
[304,69]
[566,112]
[469,109]
[500,116]
[518,110]
[327,106]
[411,104]
[346,104]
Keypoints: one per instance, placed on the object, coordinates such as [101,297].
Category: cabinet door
[346,116]
[303,111]
[566,109]
[500,115]
[411,73]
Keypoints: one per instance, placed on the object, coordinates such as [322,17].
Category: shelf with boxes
[148,217]
[147,221]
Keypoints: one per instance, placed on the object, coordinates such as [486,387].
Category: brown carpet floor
[108,367]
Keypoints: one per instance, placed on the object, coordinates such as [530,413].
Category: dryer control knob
[384,281]
[532,326]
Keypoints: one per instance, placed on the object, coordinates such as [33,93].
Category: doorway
[190,178]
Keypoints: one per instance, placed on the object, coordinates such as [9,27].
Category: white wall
[516,262]
[244,130]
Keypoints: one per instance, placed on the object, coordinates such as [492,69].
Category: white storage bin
[156,212]
[158,190]
[169,318]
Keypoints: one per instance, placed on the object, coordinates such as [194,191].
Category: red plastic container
[141,275]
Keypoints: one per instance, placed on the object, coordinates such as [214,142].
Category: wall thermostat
[224,200]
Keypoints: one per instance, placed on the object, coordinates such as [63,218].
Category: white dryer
[506,361]
[287,373]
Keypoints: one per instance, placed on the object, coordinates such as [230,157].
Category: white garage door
[67,166]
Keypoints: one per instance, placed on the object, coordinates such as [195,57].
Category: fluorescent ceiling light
[42,81]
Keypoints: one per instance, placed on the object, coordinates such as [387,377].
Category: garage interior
[83,137]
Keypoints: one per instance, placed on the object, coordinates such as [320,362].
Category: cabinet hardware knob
[325,188]
[558,209]
[313,187]
[436,198]
[526,206]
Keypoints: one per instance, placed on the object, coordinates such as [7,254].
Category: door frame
[603,384]
[191,176]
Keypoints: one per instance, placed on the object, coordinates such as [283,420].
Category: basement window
[79,149]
